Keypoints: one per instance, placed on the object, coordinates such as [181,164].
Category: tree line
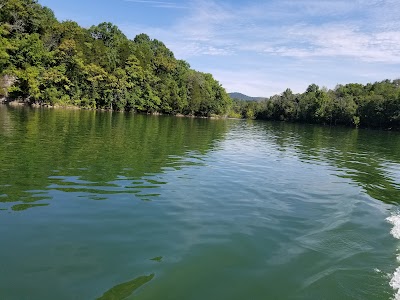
[371,105]
[46,61]
[61,63]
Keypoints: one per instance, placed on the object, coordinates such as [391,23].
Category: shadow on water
[124,290]
[370,158]
[20,207]
[95,154]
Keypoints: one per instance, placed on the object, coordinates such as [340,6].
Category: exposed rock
[6,81]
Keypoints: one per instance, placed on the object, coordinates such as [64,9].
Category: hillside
[240,96]
[62,63]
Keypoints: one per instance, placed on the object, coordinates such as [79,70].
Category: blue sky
[262,47]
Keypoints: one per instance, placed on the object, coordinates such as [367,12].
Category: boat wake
[395,232]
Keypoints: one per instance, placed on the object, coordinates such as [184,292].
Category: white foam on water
[395,279]
[395,283]
[395,221]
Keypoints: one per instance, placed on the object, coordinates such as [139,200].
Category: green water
[98,205]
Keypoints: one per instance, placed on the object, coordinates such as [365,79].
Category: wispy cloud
[251,39]
[339,40]
[211,25]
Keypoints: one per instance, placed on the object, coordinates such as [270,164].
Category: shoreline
[12,102]
[21,103]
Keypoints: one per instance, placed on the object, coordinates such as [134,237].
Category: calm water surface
[112,206]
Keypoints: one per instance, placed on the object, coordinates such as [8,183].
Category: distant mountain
[244,97]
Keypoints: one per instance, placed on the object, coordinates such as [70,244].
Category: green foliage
[245,109]
[99,67]
[371,105]
[5,46]
[63,63]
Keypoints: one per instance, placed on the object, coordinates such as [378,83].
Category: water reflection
[124,290]
[20,207]
[360,155]
[157,259]
[271,209]
[96,153]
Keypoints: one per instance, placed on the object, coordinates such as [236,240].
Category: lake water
[99,205]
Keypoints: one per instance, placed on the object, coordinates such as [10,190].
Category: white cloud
[252,37]
[333,40]
[222,28]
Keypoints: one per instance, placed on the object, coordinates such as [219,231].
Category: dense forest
[45,61]
[60,63]
[371,105]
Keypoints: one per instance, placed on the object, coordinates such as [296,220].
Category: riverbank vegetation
[44,61]
[61,63]
[371,105]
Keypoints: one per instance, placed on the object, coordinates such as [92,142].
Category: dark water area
[100,205]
